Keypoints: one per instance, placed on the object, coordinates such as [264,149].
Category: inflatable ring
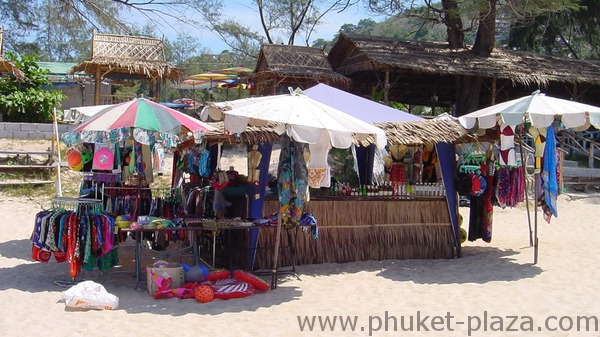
[463,235]
[216,275]
[253,280]
[232,289]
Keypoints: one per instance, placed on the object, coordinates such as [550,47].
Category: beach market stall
[376,220]
[113,148]
[537,115]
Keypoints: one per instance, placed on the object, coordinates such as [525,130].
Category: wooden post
[493,91]
[97,86]
[386,88]
[591,155]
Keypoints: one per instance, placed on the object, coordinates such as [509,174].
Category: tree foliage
[569,33]
[27,101]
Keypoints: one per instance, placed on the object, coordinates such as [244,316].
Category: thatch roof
[426,131]
[7,66]
[420,70]
[252,135]
[297,66]
[128,56]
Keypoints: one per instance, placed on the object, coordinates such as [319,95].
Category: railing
[578,143]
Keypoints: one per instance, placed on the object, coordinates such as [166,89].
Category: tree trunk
[486,31]
[453,22]
[468,88]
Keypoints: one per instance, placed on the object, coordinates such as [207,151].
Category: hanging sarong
[292,181]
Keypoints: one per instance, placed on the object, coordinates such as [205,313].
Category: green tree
[570,33]
[28,100]
[282,21]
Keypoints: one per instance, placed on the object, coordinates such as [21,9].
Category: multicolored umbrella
[142,117]
[239,71]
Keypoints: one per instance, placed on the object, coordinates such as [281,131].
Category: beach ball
[86,156]
[204,293]
[463,235]
[73,157]
[79,167]
[196,274]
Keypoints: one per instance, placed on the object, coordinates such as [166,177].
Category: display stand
[179,253]
[76,205]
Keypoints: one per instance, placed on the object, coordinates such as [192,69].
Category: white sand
[498,278]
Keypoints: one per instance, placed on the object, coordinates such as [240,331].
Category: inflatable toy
[86,157]
[73,157]
[204,293]
[226,289]
[196,274]
[217,275]
[253,280]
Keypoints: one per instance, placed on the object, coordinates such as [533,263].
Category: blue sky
[246,12]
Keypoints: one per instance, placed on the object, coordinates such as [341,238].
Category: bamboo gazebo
[130,57]
[281,66]
[7,67]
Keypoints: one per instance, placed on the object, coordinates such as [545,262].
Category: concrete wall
[32,130]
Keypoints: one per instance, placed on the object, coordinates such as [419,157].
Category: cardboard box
[173,270]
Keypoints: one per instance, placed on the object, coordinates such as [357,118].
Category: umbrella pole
[523,164]
[535,221]
[276,253]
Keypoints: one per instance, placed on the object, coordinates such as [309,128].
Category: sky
[246,11]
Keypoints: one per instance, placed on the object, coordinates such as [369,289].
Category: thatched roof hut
[123,56]
[7,66]
[281,66]
[425,73]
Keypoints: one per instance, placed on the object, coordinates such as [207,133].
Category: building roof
[130,56]
[422,70]
[295,66]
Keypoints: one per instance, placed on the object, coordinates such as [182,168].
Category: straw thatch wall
[282,66]
[426,72]
[134,56]
[360,230]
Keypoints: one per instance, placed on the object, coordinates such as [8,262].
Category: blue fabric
[550,183]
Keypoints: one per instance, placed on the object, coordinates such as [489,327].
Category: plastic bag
[89,295]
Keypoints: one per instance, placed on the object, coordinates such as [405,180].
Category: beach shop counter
[359,228]
[395,220]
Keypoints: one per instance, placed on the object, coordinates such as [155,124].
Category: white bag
[89,295]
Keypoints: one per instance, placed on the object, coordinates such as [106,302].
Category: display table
[192,235]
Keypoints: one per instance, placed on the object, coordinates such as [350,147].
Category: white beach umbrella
[303,119]
[537,108]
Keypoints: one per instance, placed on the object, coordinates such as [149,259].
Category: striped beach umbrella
[142,117]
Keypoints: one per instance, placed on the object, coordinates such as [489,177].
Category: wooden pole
[386,88]
[97,85]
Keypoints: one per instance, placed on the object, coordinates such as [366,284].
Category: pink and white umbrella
[144,118]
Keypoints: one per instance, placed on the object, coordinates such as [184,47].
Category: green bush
[27,100]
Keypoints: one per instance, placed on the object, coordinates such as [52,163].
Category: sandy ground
[493,289]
